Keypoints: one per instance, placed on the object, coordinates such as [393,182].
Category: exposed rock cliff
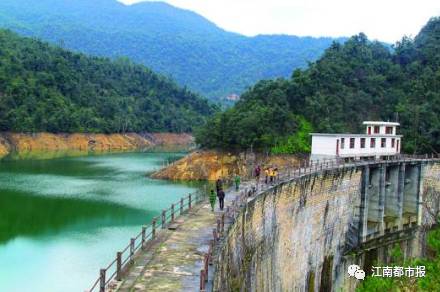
[211,164]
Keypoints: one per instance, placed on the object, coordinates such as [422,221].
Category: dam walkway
[175,259]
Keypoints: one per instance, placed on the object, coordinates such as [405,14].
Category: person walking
[219,185]
[221,198]
[275,174]
[271,175]
[212,199]
[237,180]
[266,172]
[257,173]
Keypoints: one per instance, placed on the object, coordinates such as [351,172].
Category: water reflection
[61,220]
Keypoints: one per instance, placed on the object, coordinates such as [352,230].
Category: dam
[303,233]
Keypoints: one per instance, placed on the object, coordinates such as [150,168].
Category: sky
[384,20]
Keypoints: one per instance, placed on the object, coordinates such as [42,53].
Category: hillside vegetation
[356,81]
[172,41]
[48,89]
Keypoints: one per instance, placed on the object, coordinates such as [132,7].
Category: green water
[61,220]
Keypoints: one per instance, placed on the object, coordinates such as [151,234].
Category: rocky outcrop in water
[212,164]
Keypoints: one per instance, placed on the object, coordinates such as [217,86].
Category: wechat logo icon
[355,271]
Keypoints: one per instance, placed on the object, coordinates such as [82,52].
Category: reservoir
[63,219]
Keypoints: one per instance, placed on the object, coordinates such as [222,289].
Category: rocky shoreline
[24,145]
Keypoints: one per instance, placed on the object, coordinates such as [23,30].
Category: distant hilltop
[175,42]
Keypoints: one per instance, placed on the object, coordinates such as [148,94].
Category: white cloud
[385,20]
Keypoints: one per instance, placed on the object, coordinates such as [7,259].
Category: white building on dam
[380,140]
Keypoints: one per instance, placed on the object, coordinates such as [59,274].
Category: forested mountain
[176,42]
[45,88]
[359,80]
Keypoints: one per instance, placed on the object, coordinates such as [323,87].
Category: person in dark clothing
[219,185]
[257,173]
[221,198]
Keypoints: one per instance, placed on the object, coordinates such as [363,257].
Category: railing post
[144,233]
[131,249]
[181,206]
[210,250]
[202,280]
[206,262]
[218,226]
[118,266]
[153,229]
[223,223]
[102,280]
[172,212]
[164,218]
[214,235]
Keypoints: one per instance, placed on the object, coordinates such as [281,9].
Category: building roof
[379,123]
[355,135]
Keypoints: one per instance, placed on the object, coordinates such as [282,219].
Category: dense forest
[172,41]
[44,88]
[355,81]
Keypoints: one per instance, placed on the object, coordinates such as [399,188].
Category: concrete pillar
[363,220]
[381,210]
[410,193]
[400,188]
[421,176]
[374,208]
[391,196]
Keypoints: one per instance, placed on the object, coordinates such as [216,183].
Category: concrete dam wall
[301,235]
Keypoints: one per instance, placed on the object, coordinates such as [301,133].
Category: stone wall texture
[431,192]
[298,235]
[289,236]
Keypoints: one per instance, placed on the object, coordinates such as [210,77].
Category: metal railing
[142,241]
[217,233]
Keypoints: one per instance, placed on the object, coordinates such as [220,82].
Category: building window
[342,143]
[351,142]
[369,130]
[383,142]
[373,143]
[376,129]
[362,142]
[389,130]
[393,141]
